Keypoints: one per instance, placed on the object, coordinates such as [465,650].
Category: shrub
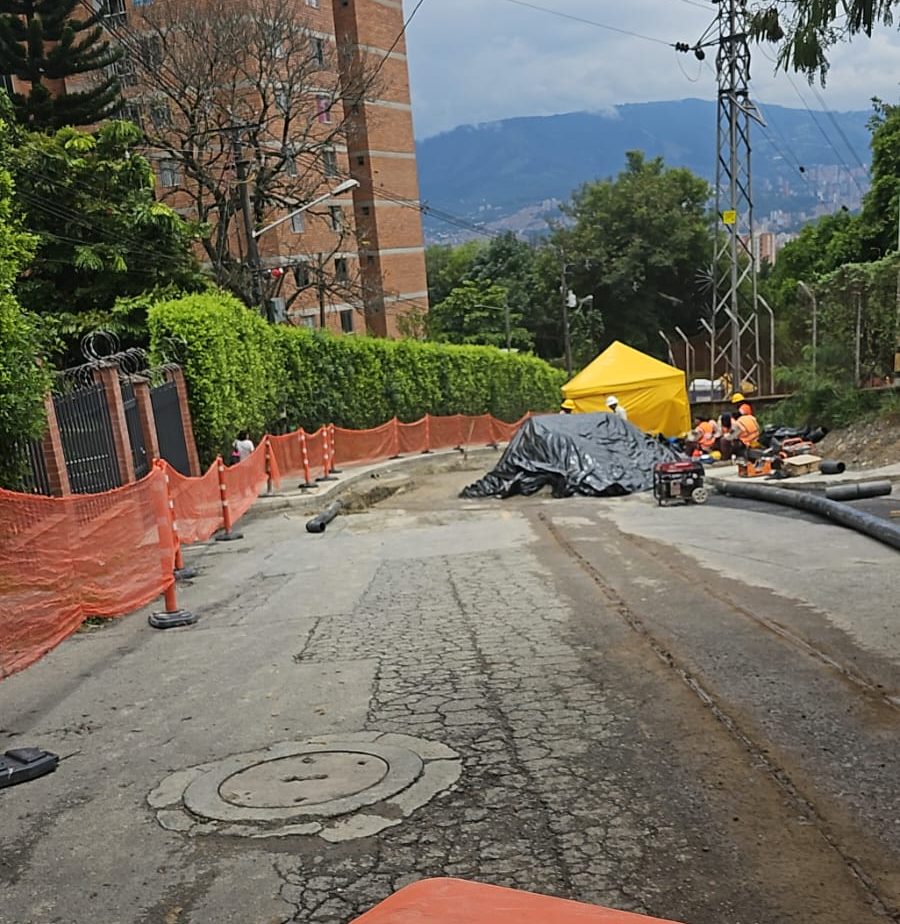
[23,384]
[243,373]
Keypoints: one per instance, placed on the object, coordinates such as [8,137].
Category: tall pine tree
[45,42]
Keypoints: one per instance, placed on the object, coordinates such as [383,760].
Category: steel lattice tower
[734,332]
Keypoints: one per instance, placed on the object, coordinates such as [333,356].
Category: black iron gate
[169,426]
[35,479]
[135,433]
[87,440]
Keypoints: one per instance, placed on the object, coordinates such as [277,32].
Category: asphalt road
[689,712]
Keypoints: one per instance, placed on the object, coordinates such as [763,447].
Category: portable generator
[679,481]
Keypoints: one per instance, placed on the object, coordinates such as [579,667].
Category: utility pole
[734,262]
[320,287]
[567,331]
[240,170]
[506,322]
[808,292]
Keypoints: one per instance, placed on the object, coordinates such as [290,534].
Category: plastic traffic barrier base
[23,764]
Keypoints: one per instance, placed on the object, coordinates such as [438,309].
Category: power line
[591,22]
[838,129]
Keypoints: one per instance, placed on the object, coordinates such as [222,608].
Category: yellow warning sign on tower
[729,217]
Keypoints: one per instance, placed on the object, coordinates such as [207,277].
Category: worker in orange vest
[704,437]
[744,435]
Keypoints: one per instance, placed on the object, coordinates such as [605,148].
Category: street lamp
[341,188]
[808,292]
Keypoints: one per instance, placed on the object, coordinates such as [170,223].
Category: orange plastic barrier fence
[197,503]
[63,560]
[454,901]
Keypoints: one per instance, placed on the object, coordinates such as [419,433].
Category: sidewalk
[815,481]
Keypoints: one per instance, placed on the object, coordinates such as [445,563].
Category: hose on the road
[862,522]
[859,490]
[318,523]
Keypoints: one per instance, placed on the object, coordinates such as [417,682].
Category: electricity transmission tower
[734,325]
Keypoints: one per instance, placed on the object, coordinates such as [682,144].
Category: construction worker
[744,434]
[567,407]
[738,400]
[612,402]
[704,438]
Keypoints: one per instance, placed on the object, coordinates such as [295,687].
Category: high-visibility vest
[748,429]
[707,430]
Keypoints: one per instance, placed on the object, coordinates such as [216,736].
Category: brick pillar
[54,457]
[145,414]
[176,375]
[108,377]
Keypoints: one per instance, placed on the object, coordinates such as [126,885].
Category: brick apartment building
[356,261]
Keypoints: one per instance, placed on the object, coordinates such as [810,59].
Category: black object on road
[862,522]
[832,467]
[23,764]
[172,620]
[596,455]
[858,490]
[318,523]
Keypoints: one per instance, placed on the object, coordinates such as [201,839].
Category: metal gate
[135,433]
[35,479]
[169,426]
[87,440]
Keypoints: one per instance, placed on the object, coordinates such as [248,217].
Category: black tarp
[597,455]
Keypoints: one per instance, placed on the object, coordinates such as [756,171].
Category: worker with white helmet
[612,402]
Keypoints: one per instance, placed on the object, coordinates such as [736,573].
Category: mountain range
[513,173]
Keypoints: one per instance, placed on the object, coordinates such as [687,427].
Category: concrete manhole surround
[336,786]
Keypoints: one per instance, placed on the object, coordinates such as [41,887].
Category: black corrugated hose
[882,530]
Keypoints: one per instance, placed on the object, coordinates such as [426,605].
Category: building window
[290,165]
[337,218]
[297,222]
[150,52]
[6,82]
[347,321]
[132,112]
[371,260]
[366,210]
[113,12]
[160,115]
[301,275]
[361,161]
[313,3]
[307,320]
[282,100]
[169,173]
[340,269]
[329,162]
[323,109]
[318,50]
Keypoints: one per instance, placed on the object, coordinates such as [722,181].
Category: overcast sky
[479,60]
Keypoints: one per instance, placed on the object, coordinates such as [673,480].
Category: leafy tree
[43,41]
[101,234]
[252,86]
[448,266]
[23,382]
[476,313]
[636,243]
[807,29]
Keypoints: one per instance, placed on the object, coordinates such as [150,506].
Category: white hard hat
[612,401]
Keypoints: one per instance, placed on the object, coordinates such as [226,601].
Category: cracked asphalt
[646,719]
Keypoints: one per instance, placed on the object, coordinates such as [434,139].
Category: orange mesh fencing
[413,437]
[197,503]
[245,482]
[446,432]
[365,445]
[65,559]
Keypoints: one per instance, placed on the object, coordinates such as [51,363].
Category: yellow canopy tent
[652,392]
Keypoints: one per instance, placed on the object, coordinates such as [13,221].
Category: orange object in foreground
[454,901]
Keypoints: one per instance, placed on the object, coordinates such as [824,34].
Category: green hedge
[243,373]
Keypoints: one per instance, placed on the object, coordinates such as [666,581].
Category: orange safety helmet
[745,409]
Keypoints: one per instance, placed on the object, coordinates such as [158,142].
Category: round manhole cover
[304,780]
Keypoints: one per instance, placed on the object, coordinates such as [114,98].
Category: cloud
[477,61]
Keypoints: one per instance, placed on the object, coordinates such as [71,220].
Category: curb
[443,460]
